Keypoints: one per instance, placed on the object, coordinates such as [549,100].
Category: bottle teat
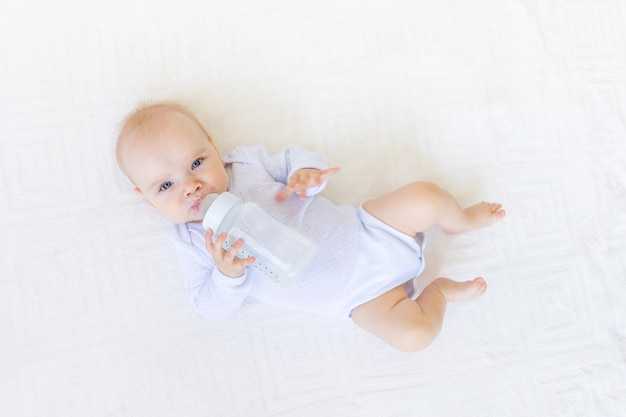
[206,203]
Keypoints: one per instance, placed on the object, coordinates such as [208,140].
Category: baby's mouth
[196,205]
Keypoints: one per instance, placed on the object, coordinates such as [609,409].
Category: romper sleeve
[212,294]
[281,165]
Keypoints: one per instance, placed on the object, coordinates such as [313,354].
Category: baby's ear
[142,195]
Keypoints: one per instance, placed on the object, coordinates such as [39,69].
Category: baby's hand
[226,260]
[303,179]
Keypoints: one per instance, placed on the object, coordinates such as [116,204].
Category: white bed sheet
[518,101]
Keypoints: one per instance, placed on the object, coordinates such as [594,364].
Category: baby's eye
[196,163]
[165,185]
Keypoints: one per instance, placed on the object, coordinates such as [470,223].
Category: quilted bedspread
[517,101]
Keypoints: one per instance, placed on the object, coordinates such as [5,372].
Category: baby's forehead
[144,129]
[142,157]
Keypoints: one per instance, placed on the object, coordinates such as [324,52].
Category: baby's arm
[303,179]
[216,296]
[213,294]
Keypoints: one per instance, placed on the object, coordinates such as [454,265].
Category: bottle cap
[217,206]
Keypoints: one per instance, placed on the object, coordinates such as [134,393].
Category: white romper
[358,257]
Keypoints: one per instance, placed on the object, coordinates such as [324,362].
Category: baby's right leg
[409,325]
[417,206]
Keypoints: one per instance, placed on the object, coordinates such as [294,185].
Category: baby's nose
[193,187]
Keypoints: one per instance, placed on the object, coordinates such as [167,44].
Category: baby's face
[174,165]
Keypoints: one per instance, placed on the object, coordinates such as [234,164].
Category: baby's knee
[416,340]
[427,192]
[429,189]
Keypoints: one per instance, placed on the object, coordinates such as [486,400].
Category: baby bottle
[281,253]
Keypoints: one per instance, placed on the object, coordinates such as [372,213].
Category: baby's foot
[484,214]
[460,291]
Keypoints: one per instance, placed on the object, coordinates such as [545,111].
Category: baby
[364,255]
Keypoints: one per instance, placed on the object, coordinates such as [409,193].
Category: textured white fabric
[517,101]
[357,257]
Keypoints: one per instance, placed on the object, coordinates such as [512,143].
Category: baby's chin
[184,219]
[190,219]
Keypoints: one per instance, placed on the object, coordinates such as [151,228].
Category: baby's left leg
[409,325]
[417,206]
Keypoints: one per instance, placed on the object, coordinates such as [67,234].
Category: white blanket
[517,101]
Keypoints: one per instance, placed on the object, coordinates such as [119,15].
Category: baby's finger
[247,261]
[302,185]
[231,254]
[284,193]
[328,172]
[215,247]
[209,240]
